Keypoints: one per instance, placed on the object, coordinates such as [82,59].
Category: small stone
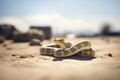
[110,55]
[23,56]
[13,55]
[35,42]
[26,56]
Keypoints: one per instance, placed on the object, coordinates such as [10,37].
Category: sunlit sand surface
[19,61]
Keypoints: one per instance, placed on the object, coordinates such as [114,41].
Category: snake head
[58,41]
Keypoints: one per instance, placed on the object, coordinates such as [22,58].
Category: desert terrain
[19,61]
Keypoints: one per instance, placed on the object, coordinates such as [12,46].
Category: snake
[81,49]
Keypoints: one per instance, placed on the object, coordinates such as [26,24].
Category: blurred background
[62,17]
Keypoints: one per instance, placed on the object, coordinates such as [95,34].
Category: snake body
[82,49]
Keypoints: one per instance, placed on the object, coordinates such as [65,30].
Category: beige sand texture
[19,61]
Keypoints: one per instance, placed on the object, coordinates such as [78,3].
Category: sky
[76,16]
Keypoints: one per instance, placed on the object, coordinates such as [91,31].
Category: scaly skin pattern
[62,43]
[86,53]
[55,50]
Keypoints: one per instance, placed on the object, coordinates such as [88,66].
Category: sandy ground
[19,61]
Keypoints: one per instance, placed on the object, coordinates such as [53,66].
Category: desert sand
[19,61]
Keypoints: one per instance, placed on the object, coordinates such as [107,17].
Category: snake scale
[64,49]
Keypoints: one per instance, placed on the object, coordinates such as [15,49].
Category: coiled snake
[63,49]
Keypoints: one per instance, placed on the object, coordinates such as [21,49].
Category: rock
[110,55]
[35,42]
[7,31]
[45,29]
[28,36]
[23,56]
[13,55]
[26,56]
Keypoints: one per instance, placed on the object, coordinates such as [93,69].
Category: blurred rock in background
[7,31]
[46,29]
[2,39]
[28,36]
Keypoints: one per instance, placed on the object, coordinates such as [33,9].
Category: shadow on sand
[75,57]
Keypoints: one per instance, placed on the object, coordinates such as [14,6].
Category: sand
[19,61]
